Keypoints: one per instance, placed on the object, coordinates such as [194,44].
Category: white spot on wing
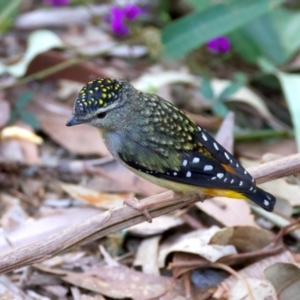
[204,137]
[199,128]
[251,188]
[232,181]
[188,174]
[213,178]
[208,168]
[175,173]
[184,163]
[237,165]
[216,146]
[226,155]
[241,183]
[266,202]
[220,175]
[225,179]
[245,172]
[196,160]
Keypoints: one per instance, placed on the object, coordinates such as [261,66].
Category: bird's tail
[256,195]
[262,199]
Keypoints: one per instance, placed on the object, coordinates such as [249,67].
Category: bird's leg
[135,204]
[142,207]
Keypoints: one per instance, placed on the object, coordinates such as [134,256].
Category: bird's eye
[101,115]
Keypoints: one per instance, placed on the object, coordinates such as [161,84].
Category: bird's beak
[74,121]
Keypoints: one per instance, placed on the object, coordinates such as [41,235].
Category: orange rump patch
[229,169]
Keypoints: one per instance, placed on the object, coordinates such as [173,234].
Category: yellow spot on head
[108,80]
[104,90]
[104,96]
[101,102]
[84,103]
[91,91]
[96,88]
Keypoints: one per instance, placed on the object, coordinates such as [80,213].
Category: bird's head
[101,103]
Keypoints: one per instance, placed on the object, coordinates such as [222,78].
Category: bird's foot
[135,204]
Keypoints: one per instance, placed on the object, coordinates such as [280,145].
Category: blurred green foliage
[264,33]
[210,20]
[19,111]
[8,11]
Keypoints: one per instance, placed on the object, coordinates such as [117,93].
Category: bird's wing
[217,171]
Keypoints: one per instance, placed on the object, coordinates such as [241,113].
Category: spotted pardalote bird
[159,142]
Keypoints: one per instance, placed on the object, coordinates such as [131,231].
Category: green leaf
[286,280]
[23,100]
[206,89]
[259,38]
[195,29]
[291,89]
[266,65]
[274,36]
[231,89]
[287,24]
[220,109]
[8,11]
[30,119]
[201,4]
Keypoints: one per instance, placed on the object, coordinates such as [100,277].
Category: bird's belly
[171,185]
[186,188]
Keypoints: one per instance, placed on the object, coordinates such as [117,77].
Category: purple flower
[118,16]
[220,44]
[132,11]
[57,2]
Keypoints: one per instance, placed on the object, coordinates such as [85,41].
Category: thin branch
[121,218]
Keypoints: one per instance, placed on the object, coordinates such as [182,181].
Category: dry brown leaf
[10,291]
[158,226]
[53,222]
[53,118]
[279,187]
[255,270]
[13,216]
[5,111]
[225,132]
[66,258]
[260,289]
[146,255]
[19,133]
[20,144]
[92,40]
[229,212]
[121,282]
[91,197]
[196,242]
[255,150]
[286,280]
[126,180]
[80,72]
[244,238]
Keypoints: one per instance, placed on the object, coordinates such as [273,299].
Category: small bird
[159,142]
